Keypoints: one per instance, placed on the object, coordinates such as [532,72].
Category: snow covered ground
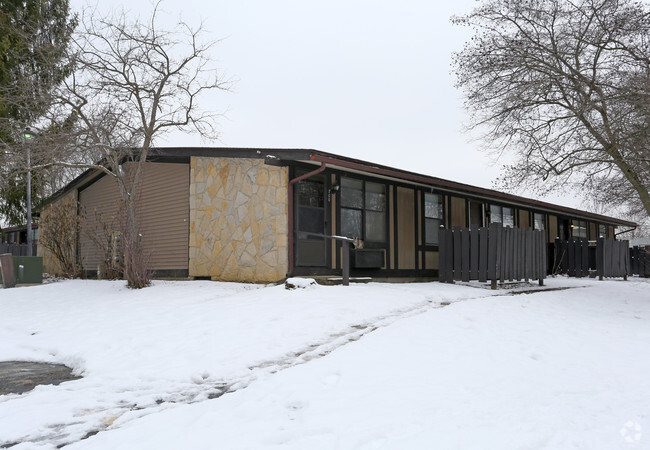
[386,366]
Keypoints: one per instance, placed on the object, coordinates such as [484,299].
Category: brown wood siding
[610,232]
[552,228]
[458,212]
[592,231]
[332,226]
[163,215]
[405,228]
[524,219]
[100,203]
[391,226]
[431,260]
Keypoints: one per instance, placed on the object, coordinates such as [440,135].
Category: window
[363,210]
[579,228]
[432,218]
[503,215]
[602,231]
[538,221]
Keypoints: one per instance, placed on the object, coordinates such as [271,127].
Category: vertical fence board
[457,254]
[522,252]
[517,256]
[483,255]
[465,251]
[473,252]
[503,256]
[571,255]
[585,257]
[577,261]
[442,255]
[541,274]
[607,266]
[600,258]
[449,256]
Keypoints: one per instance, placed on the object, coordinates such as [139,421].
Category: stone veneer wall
[238,220]
[50,262]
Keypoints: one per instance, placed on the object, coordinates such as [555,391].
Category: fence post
[465,254]
[541,257]
[600,258]
[8,273]
[494,251]
[442,255]
[473,252]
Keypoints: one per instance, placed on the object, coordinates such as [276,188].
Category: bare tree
[100,231]
[60,226]
[132,83]
[566,86]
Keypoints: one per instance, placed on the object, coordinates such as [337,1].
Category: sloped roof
[183,154]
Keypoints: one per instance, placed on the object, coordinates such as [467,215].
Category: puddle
[17,377]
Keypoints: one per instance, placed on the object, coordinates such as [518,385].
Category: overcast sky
[364,79]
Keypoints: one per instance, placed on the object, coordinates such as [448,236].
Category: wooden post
[346,263]
[442,255]
[539,255]
[7,267]
[600,258]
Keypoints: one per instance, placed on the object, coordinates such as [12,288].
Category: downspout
[291,211]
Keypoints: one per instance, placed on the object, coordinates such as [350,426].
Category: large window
[579,228]
[363,210]
[538,221]
[503,215]
[432,218]
[602,231]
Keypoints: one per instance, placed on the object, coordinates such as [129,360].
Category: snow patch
[300,283]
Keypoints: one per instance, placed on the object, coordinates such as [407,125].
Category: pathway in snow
[146,401]
[61,434]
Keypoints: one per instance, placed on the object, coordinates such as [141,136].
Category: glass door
[310,217]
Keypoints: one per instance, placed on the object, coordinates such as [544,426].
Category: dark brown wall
[524,218]
[405,228]
[592,231]
[163,213]
[457,213]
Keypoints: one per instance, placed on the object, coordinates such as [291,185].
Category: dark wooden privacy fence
[18,249]
[577,257]
[612,258]
[573,257]
[495,254]
[640,261]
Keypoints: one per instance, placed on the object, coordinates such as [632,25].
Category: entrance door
[310,217]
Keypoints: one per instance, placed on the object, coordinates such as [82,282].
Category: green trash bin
[28,269]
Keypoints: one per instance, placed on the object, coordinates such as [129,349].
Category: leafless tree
[132,83]
[566,85]
[60,226]
[99,229]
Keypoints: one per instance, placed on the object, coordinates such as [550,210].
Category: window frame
[577,224]
[441,219]
[543,215]
[501,207]
[364,210]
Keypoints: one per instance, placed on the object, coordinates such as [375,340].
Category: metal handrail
[345,263]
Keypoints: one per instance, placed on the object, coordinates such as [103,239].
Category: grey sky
[364,79]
